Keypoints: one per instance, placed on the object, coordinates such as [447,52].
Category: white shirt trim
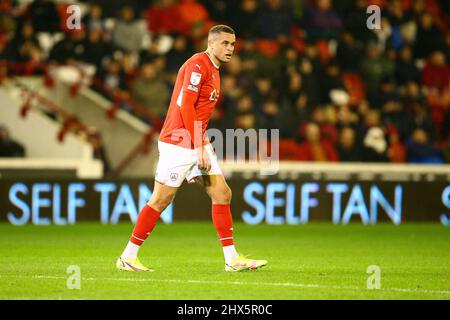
[215,65]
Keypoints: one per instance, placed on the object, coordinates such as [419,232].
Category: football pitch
[315,261]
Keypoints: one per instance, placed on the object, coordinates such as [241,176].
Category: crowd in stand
[337,90]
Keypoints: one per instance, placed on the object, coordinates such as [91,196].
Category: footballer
[185,153]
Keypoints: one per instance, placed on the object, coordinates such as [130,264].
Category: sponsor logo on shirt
[192,88]
[195,78]
[214,96]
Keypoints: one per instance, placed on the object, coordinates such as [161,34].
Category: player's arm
[194,77]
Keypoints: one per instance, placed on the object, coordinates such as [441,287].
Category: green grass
[315,261]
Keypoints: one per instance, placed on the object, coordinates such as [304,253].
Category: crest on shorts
[195,78]
[173,176]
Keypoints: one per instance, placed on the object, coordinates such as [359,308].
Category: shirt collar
[215,65]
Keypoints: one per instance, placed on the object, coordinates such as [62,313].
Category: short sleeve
[194,76]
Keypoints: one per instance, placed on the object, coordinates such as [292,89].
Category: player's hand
[203,160]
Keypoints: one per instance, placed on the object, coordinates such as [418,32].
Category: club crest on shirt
[195,78]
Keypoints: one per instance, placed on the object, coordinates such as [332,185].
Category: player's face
[223,46]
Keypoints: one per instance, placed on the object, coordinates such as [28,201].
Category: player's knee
[222,195]
[228,194]
[160,203]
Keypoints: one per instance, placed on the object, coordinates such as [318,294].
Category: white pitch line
[273,284]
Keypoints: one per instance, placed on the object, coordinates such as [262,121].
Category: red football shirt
[193,99]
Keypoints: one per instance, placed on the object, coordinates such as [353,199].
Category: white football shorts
[177,163]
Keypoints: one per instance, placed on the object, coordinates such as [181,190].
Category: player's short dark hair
[220,28]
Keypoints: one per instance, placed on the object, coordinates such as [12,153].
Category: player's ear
[210,42]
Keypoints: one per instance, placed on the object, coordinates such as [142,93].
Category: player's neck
[213,58]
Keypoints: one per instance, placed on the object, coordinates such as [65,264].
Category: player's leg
[161,197]
[173,165]
[220,193]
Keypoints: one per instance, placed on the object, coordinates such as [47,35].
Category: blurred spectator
[436,73]
[246,19]
[428,38]
[127,33]
[330,80]
[94,18]
[311,79]
[9,12]
[113,78]
[374,67]
[405,68]
[221,10]
[297,112]
[347,147]
[24,47]
[70,48]
[181,51]
[271,115]
[8,147]
[291,57]
[192,12]
[421,119]
[44,16]
[262,91]
[96,47]
[234,69]
[325,118]
[397,150]
[345,117]
[356,17]
[395,12]
[349,52]
[198,36]
[130,65]
[372,118]
[150,52]
[233,109]
[383,34]
[252,59]
[386,93]
[217,121]
[275,21]
[294,86]
[421,151]
[245,120]
[411,94]
[314,148]
[150,90]
[324,23]
[375,146]
[394,116]
[111,8]
[164,18]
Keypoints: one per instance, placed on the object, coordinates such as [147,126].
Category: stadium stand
[336,91]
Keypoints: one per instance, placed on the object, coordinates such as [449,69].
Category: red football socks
[222,220]
[145,223]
